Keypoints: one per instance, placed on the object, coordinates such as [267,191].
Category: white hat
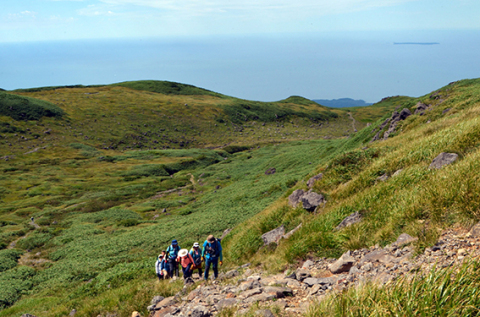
[183,252]
[196,245]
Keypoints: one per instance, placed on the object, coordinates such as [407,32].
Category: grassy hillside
[97,179]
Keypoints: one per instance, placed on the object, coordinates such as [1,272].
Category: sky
[261,26]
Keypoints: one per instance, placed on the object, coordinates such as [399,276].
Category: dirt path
[353,121]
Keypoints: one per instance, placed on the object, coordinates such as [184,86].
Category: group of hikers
[169,260]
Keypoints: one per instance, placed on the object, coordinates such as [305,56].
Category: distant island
[341,103]
[416,43]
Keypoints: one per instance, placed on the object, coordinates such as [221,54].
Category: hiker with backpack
[161,266]
[212,253]
[196,253]
[172,255]
[186,260]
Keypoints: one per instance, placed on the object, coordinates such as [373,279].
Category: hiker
[161,266]
[186,261]
[212,253]
[172,254]
[196,253]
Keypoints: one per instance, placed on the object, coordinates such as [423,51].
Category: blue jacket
[160,265]
[172,252]
[215,245]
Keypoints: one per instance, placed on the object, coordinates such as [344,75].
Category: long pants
[200,272]
[186,271]
[214,263]
[173,267]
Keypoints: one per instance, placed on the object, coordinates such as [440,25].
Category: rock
[28,315]
[351,219]
[291,232]
[302,274]
[313,179]
[294,198]
[443,159]
[404,114]
[446,110]
[321,281]
[475,231]
[397,172]
[200,311]
[264,313]
[420,108]
[311,200]
[251,284]
[274,235]
[271,171]
[224,234]
[227,302]
[259,298]
[383,178]
[251,292]
[166,302]
[308,264]
[231,274]
[404,239]
[343,264]
[156,299]
[279,292]
[377,256]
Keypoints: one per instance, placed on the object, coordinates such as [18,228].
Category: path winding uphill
[250,290]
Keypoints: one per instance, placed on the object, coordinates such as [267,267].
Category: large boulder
[311,200]
[443,159]
[274,235]
[420,108]
[294,198]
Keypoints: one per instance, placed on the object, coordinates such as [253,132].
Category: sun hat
[160,256]
[211,238]
[174,242]
[196,245]
[182,253]
[136,314]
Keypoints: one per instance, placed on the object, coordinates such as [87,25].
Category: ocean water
[358,65]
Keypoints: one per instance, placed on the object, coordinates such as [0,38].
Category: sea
[366,65]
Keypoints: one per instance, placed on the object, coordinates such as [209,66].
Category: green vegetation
[25,108]
[446,292]
[97,181]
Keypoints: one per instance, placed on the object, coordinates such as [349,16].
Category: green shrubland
[107,198]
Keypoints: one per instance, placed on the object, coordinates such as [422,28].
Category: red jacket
[185,260]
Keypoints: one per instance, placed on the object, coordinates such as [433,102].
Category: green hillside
[98,178]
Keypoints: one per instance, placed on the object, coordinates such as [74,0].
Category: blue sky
[253,49]
[40,20]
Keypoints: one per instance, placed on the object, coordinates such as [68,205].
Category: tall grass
[440,292]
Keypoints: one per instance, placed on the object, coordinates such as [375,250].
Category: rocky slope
[246,290]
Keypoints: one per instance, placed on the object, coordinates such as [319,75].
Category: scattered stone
[404,239]
[264,313]
[271,171]
[307,264]
[351,219]
[443,159]
[313,179]
[311,200]
[475,231]
[274,235]
[294,198]
[343,264]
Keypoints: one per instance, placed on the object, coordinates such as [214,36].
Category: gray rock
[475,231]
[351,219]
[404,239]
[420,108]
[383,178]
[443,159]
[231,274]
[302,274]
[270,171]
[311,200]
[397,172]
[308,264]
[291,232]
[200,311]
[260,298]
[274,235]
[321,281]
[294,198]
[224,234]
[343,264]
[166,302]
[313,179]
[378,256]
[279,292]
[28,315]
[226,302]
[72,313]
[156,299]
[264,313]
[251,292]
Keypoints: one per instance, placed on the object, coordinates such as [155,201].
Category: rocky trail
[250,290]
